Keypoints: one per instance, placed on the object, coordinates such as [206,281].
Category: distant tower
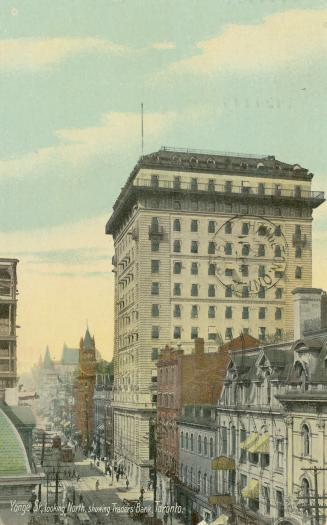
[85,389]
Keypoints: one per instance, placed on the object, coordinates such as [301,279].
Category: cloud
[78,146]
[280,39]
[163,46]
[36,53]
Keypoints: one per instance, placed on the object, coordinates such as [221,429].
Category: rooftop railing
[213,187]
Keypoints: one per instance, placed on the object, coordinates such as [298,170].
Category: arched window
[306,440]
[205,488]
[192,443]
[210,486]
[191,477]
[186,440]
[205,446]
[182,439]
[199,480]
[182,471]
[177,225]
[155,225]
[185,474]
[211,447]
[305,490]
[199,445]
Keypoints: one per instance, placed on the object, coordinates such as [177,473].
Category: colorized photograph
[163,262]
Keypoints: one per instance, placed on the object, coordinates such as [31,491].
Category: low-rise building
[103,411]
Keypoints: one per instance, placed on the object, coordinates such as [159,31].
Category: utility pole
[316,498]
[315,473]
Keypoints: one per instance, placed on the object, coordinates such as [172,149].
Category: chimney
[310,310]
[199,346]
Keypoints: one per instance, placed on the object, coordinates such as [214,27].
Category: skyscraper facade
[206,245]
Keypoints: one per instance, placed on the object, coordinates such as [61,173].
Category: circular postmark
[250,255]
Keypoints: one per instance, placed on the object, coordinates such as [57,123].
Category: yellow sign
[223,463]
[221,500]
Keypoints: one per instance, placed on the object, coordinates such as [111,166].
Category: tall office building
[8,308]
[206,245]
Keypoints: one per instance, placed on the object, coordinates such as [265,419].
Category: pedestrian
[165,518]
[97,484]
[127,483]
[117,477]
[149,484]
[78,477]
[80,498]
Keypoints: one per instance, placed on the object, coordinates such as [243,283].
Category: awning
[250,441]
[222,520]
[223,463]
[261,445]
[251,490]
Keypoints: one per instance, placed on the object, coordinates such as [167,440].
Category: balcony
[299,240]
[156,232]
[246,192]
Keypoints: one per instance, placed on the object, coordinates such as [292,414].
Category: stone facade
[205,246]
[8,310]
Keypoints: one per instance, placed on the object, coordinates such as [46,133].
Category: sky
[229,75]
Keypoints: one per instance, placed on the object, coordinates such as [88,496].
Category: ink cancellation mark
[250,255]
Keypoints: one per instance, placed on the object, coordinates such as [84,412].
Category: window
[155,245]
[154,354]
[262,312]
[298,252]
[266,499]
[228,312]
[155,266]
[182,444]
[212,334]
[205,446]
[194,246]
[280,453]
[228,186]
[194,290]
[298,232]
[199,480]
[262,333]
[228,291]
[228,227]
[261,271]
[229,272]
[245,249]
[177,332]
[194,311]
[223,440]
[194,225]
[278,231]
[306,440]
[186,441]
[278,251]
[211,269]
[211,247]
[298,272]
[245,291]
[278,190]
[199,445]
[155,332]
[233,441]
[154,228]
[278,314]
[194,184]
[211,227]
[242,439]
[261,188]
[245,312]
[261,292]
[211,312]
[177,288]
[192,443]
[177,310]
[211,451]
[177,246]
[155,181]
[229,333]
[245,228]
[244,270]
[177,267]
[177,225]
[194,332]
[280,504]
[155,289]
[262,230]
[194,268]
[278,333]
[155,310]
[279,293]
[279,274]
[305,493]
[261,250]
[228,248]
[211,185]
[177,182]
[211,290]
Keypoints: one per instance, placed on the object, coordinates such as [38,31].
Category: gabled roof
[69,356]
[88,343]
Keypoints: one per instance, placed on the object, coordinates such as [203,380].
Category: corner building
[188,262]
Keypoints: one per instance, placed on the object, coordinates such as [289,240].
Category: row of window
[194,313]
[228,227]
[188,442]
[212,335]
[229,291]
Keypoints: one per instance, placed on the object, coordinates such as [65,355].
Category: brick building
[192,379]
[84,390]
